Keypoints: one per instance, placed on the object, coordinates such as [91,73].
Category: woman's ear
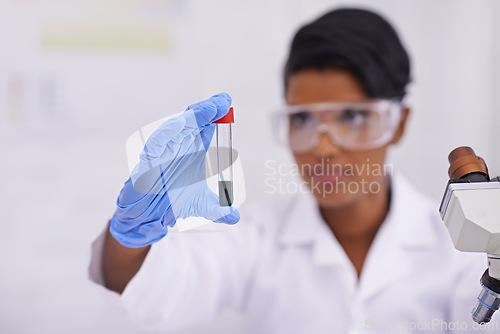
[402,124]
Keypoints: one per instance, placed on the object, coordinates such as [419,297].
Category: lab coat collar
[305,227]
[408,223]
[412,216]
[409,226]
[303,221]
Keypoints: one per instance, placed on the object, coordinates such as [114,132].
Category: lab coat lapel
[385,264]
[304,223]
[407,228]
[306,227]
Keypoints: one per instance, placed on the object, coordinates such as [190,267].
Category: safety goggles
[350,125]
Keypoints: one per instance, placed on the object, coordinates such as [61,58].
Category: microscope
[470,211]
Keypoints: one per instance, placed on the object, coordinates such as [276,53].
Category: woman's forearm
[120,263]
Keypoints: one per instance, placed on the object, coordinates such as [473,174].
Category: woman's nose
[325,148]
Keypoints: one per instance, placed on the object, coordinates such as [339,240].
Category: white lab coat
[284,269]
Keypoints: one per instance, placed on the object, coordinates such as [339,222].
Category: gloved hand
[169,182]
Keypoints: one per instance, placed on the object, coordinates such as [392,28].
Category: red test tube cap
[228,118]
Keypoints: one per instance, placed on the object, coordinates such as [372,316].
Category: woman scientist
[370,256]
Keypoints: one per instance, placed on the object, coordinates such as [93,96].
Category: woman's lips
[327,178]
[329,174]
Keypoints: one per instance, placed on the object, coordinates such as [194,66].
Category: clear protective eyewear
[350,125]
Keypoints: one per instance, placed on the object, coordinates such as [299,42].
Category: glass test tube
[225,158]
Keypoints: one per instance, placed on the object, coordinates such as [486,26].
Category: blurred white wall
[66,111]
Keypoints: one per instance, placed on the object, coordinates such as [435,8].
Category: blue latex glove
[169,182]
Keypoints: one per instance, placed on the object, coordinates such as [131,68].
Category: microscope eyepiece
[465,164]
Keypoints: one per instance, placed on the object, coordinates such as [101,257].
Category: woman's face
[337,177]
